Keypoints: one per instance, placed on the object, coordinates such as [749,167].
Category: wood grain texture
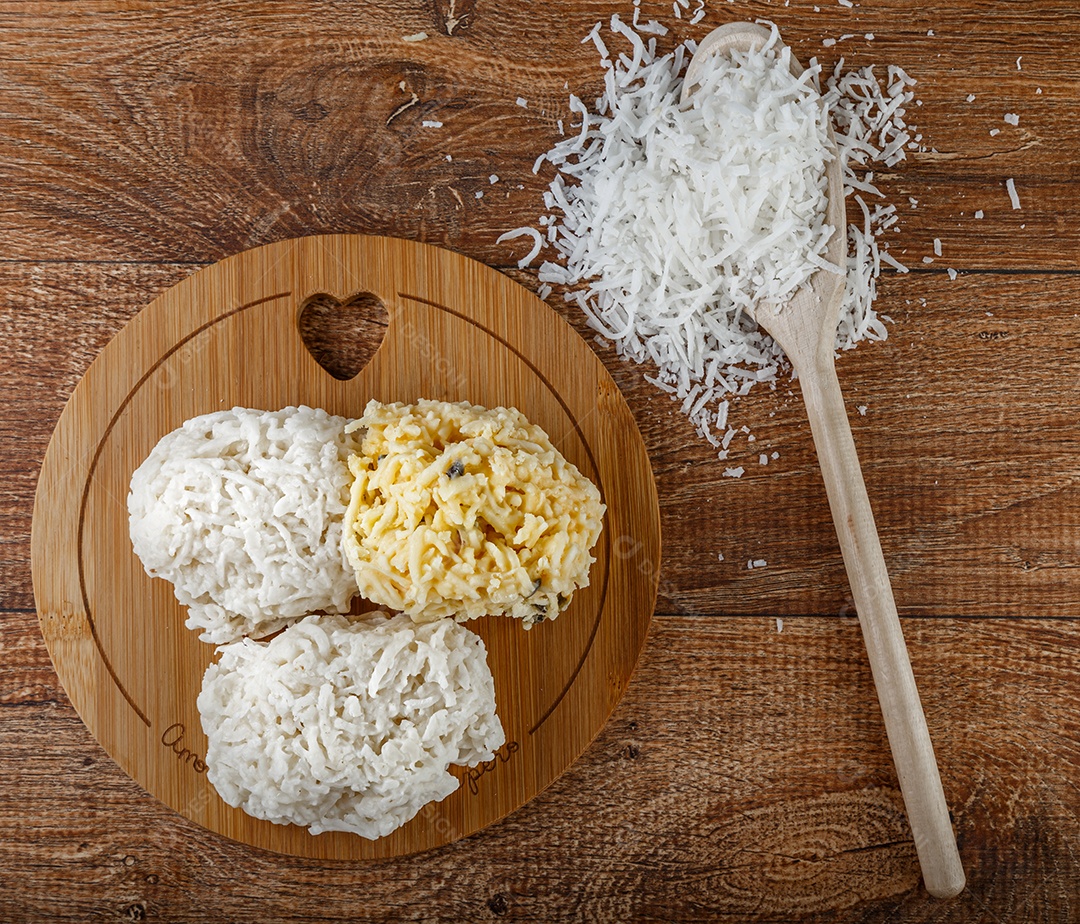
[744,777]
[200,134]
[770,799]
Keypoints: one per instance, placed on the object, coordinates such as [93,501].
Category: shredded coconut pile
[348,726]
[672,220]
[242,511]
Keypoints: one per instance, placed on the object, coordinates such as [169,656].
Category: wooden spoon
[806,330]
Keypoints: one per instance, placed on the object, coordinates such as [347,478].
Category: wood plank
[27,676]
[967,447]
[744,776]
[133,133]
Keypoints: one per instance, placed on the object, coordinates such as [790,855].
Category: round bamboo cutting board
[237,334]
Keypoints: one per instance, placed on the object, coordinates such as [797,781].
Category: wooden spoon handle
[905,723]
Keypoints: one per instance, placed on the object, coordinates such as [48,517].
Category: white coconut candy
[348,725]
[242,512]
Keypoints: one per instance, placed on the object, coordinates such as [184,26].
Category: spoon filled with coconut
[793,188]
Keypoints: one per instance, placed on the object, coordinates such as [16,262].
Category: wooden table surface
[745,775]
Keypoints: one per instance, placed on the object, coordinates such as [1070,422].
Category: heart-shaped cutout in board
[343,335]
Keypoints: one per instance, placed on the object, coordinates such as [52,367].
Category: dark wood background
[745,776]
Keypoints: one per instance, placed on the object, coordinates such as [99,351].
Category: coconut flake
[538,243]
[1014,198]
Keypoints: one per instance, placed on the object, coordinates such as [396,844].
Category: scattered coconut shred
[672,220]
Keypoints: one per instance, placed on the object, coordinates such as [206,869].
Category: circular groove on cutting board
[231,335]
